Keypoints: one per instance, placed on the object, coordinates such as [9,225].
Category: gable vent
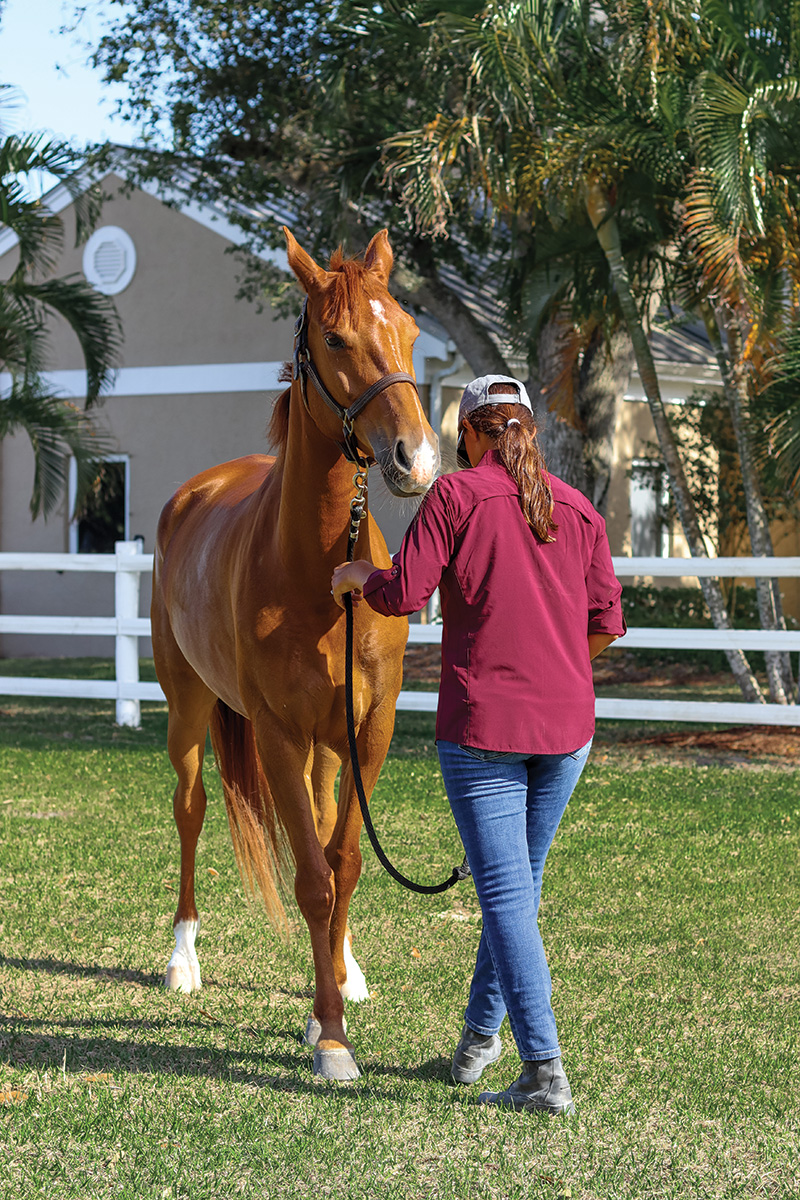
[109,260]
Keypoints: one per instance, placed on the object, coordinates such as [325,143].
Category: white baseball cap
[476,394]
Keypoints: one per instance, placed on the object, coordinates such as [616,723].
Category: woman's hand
[351,577]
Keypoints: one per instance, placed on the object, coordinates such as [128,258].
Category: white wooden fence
[126,627]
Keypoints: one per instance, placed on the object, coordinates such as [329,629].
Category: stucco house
[198,380]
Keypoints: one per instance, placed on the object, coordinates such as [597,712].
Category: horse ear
[310,276]
[378,256]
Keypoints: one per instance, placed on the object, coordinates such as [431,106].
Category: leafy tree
[613,113]
[285,104]
[778,440]
[56,427]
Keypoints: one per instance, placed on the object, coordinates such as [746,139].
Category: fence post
[126,607]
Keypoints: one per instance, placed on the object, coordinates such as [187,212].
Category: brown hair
[522,458]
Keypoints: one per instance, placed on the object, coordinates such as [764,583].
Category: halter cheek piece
[303,369]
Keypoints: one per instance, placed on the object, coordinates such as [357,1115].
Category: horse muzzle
[409,468]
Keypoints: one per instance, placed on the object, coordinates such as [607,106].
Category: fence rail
[126,627]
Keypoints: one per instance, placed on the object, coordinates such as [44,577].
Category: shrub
[685,608]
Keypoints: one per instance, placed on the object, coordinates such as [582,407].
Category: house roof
[682,343]
[670,341]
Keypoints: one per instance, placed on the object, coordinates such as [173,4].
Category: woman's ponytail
[513,428]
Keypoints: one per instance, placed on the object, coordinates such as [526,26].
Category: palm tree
[741,227]
[56,428]
[570,116]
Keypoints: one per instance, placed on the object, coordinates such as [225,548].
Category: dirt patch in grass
[751,740]
[422,664]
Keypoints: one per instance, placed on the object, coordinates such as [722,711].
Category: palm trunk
[770,612]
[581,453]
[600,213]
[561,441]
[604,377]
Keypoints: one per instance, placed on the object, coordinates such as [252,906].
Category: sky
[61,94]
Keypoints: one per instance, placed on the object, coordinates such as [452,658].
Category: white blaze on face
[378,312]
[423,468]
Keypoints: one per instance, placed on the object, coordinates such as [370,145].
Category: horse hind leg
[305,815]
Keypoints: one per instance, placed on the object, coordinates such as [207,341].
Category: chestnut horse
[249,642]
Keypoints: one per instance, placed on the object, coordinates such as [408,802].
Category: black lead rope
[459,873]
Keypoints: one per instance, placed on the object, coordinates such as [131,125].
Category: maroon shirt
[516,673]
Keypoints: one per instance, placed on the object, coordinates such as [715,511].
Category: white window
[104,516]
[649,505]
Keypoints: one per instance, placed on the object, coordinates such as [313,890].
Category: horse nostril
[400,456]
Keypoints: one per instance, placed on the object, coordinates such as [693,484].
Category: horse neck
[316,490]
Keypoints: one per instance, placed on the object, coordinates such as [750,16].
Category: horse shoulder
[218,488]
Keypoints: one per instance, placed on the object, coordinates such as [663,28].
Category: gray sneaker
[473,1054]
[542,1087]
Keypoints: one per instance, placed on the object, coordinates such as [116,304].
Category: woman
[528,598]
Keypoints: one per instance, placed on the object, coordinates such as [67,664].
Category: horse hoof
[314,1030]
[336,1064]
[180,978]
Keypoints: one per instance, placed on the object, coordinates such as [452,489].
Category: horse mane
[278,427]
[350,280]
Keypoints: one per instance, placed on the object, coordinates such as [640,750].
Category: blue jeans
[507,808]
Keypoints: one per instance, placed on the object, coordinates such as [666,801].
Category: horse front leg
[288,770]
[344,853]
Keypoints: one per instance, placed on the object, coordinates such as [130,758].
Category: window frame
[662,532]
[72,491]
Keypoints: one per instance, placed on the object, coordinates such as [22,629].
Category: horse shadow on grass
[56,966]
[24,1044]
[146,979]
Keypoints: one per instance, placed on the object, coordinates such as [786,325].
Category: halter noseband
[303,369]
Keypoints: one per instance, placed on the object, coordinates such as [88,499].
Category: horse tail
[259,840]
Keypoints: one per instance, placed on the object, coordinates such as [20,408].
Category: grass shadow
[56,966]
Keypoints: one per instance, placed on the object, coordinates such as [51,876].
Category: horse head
[356,354]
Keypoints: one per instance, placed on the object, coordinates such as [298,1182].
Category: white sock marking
[183,969]
[355,986]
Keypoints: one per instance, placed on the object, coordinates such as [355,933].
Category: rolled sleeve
[604,591]
[417,568]
[380,591]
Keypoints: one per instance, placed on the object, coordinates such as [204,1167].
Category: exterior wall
[169,439]
[787,542]
[179,309]
[635,438]
[180,306]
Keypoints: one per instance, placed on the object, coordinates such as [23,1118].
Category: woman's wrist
[351,577]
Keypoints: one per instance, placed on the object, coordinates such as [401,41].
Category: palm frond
[57,429]
[94,321]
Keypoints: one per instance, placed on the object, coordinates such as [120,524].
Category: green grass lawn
[671,914]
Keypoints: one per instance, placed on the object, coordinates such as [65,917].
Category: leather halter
[303,369]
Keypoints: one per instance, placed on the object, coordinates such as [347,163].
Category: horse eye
[333,342]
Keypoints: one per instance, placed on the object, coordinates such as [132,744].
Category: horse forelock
[350,283]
